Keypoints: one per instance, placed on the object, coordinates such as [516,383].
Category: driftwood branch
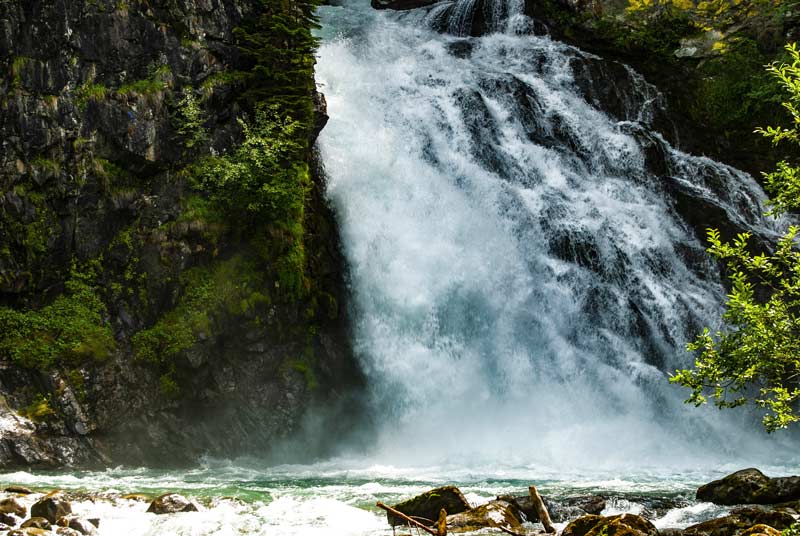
[410,521]
[441,525]
[541,510]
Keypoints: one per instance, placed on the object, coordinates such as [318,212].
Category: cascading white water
[522,271]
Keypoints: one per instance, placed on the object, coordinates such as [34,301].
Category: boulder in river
[36,523]
[12,506]
[171,503]
[52,506]
[750,486]
[82,525]
[18,489]
[425,507]
[761,530]
[740,522]
[619,525]
[495,514]
[66,531]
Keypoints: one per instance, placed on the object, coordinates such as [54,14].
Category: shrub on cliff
[758,355]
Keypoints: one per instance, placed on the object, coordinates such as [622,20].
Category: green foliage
[70,330]
[783,184]
[264,184]
[39,409]
[159,79]
[794,530]
[735,90]
[279,46]
[758,355]
[210,295]
[90,92]
[188,120]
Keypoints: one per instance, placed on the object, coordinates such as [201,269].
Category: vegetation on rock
[757,357]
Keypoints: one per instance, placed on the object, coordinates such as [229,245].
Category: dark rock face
[427,505]
[750,486]
[92,167]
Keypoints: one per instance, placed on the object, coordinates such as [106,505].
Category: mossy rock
[426,506]
[619,525]
[495,514]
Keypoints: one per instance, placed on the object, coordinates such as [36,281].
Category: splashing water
[523,273]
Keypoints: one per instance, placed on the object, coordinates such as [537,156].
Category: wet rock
[495,514]
[619,525]
[739,522]
[13,506]
[36,523]
[761,530]
[591,504]
[135,497]
[18,489]
[84,526]
[427,505]
[9,519]
[52,506]
[171,503]
[750,486]
[66,531]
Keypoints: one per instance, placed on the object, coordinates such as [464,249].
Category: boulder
[18,489]
[740,521]
[171,503]
[66,531]
[12,506]
[36,523]
[619,525]
[135,497]
[52,506]
[591,504]
[495,514]
[84,526]
[9,519]
[761,530]
[427,505]
[750,486]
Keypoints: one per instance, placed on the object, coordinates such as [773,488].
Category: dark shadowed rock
[171,503]
[36,523]
[495,514]
[51,507]
[740,521]
[18,489]
[13,506]
[427,505]
[619,525]
[750,486]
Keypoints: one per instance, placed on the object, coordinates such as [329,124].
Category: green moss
[72,329]
[38,410]
[90,92]
[17,65]
[210,295]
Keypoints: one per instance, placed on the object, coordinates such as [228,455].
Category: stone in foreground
[750,486]
[171,503]
[425,507]
[619,525]
[495,514]
[52,507]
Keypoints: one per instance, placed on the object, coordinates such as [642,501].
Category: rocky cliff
[139,321]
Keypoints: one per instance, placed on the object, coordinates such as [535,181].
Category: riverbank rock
[12,506]
[171,503]
[750,486]
[36,523]
[741,521]
[52,506]
[495,514]
[79,524]
[428,504]
[619,525]
[18,490]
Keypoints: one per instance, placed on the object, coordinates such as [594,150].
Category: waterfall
[523,247]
